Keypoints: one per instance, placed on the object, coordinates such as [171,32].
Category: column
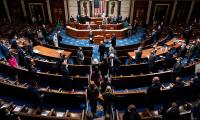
[132,4]
[190,11]
[66,13]
[149,11]
[23,8]
[107,8]
[173,11]
[49,11]
[7,10]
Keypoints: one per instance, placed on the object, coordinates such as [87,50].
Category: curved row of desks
[48,79]
[135,81]
[75,33]
[96,26]
[28,113]
[123,98]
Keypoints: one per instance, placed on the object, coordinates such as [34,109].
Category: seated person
[131,113]
[71,19]
[172,113]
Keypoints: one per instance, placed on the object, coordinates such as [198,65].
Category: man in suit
[91,37]
[131,113]
[172,113]
[130,28]
[192,50]
[138,55]
[21,57]
[113,40]
[153,94]
[13,43]
[59,37]
[177,68]
[35,95]
[151,61]
[80,56]
[108,97]
[177,90]
[66,80]
[93,93]
[183,50]
[102,49]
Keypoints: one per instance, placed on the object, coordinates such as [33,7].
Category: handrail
[117,114]
[83,114]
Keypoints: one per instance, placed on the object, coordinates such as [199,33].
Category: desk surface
[160,49]
[49,52]
[73,32]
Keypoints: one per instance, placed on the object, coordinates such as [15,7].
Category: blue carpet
[134,39]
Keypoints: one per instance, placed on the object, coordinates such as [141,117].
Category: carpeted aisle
[136,38]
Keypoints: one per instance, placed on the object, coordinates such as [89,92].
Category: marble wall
[73,8]
[125,8]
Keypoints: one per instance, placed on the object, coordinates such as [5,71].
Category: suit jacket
[102,49]
[138,56]
[177,68]
[113,41]
[151,61]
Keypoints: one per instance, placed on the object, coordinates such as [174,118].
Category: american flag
[99,10]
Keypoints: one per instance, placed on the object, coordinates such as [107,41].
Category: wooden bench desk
[49,52]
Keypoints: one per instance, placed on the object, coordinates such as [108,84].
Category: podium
[98,39]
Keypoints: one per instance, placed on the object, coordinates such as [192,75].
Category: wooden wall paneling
[140,11]
[196,12]
[43,2]
[2,11]
[57,11]
[182,11]
[15,10]
[154,7]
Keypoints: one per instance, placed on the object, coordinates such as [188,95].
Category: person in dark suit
[78,17]
[151,61]
[60,62]
[131,113]
[93,93]
[80,56]
[113,40]
[183,50]
[153,94]
[138,55]
[21,57]
[169,59]
[108,97]
[192,50]
[59,37]
[91,37]
[176,92]
[66,80]
[177,68]
[102,49]
[32,70]
[71,19]
[195,86]
[35,95]
[195,112]
[13,43]
[172,113]
[104,67]
[29,49]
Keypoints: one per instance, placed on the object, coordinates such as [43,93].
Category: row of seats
[27,113]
